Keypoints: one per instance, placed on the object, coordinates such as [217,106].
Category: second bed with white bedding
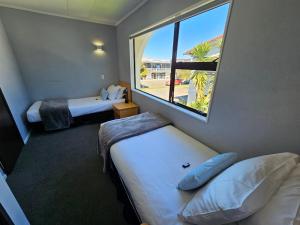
[77,107]
[151,167]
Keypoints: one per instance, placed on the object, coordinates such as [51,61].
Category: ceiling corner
[131,12]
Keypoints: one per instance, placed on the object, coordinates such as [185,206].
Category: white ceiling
[111,12]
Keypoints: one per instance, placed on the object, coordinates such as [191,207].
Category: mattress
[151,167]
[78,107]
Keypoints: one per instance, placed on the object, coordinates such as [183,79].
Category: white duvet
[78,107]
[151,167]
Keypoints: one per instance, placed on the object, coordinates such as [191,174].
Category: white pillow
[112,92]
[239,191]
[111,88]
[284,206]
[120,92]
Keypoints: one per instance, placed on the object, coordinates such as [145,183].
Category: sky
[193,31]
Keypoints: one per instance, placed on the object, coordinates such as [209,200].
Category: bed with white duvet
[77,107]
[89,105]
[151,165]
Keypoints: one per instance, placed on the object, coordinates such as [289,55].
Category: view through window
[178,62]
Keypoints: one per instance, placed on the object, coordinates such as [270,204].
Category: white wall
[12,83]
[256,105]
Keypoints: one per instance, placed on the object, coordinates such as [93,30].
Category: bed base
[99,117]
[129,210]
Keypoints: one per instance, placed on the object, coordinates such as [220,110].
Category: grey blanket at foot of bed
[116,130]
[55,114]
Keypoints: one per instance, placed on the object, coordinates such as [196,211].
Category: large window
[178,62]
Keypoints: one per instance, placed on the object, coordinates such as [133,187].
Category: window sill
[180,109]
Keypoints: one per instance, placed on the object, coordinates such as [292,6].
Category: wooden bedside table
[122,110]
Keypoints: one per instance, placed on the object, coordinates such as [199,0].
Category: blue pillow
[207,170]
[103,94]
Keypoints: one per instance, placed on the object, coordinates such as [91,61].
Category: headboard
[128,90]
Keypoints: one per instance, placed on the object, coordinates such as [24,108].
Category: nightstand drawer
[122,110]
[126,112]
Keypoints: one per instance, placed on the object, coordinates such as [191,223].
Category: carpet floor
[58,180]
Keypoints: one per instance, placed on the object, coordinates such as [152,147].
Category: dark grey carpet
[58,180]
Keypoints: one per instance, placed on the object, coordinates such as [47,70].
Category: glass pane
[153,53]
[193,88]
[200,37]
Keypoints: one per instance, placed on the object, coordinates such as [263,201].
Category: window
[178,62]
[153,54]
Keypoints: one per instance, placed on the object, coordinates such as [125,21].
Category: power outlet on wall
[102,76]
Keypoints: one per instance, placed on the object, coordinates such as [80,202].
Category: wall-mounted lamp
[99,49]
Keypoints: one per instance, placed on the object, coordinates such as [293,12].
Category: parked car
[185,82]
[177,82]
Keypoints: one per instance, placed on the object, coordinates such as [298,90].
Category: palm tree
[199,54]
[203,81]
[200,51]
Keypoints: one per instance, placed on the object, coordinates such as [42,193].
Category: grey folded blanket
[116,130]
[55,114]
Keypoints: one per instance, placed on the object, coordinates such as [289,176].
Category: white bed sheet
[151,167]
[78,107]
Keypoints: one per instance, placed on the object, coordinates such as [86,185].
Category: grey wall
[12,83]
[56,54]
[256,105]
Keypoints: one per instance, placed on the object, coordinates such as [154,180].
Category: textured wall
[256,105]
[56,54]
[12,83]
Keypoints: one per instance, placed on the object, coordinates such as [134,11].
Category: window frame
[212,66]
